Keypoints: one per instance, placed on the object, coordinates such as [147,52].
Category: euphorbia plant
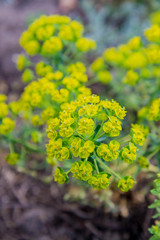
[132,68]
[87,133]
[83,130]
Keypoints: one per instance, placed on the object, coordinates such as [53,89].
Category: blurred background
[30,209]
[109,22]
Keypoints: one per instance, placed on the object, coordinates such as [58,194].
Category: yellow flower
[97,65]
[126,183]
[82,170]
[104,76]
[134,43]
[99,181]
[52,46]
[112,127]
[128,153]
[12,158]
[42,69]
[87,149]
[36,120]
[45,32]
[153,33]
[48,113]
[6,126]
[154,110]
[75,145]
[112,55]
[4,109]
[27,75]
[66,132]
[135,60]
[60,176]
[138,134]
[85,126]
[76,67]
[85,44]
[131,78]
[143,162]
[32,47]
[21,62]
[104,152]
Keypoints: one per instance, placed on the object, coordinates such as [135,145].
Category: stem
[107,168]
[26,145]
[124,140]
[99,131]
[80,136]
[11,148]
[153,153]
[95,162]
[100,136]
[22,157]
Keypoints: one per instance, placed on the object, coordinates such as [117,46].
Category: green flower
[60,176]
[126,183]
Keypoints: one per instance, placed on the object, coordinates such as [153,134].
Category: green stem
[95,163]
[100,136]
[11,147]
[107,168]
[124,139]
[153,153]
[26,145]
[68,171]
[99,131]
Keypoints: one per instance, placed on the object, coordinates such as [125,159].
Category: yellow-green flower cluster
[12,158]
[60,176]
[50,35]
[154,110]
[100,180]
[153,33]
[50,91]
[22,62]
[134,63]
[151,112]
[6,123]
[108,152]
[77,133]
[138,134]
[126,183]
[143,162]
[82,170]
[131,78]
[129,153]
[6,126]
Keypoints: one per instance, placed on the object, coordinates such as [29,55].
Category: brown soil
[33,210]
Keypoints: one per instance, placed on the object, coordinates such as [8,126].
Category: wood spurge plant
[155,229]
[80,135]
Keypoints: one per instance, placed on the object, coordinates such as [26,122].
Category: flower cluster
[134,64]
[55,38]
[151,112]
[83,130]
[80,131]
[6,123]
[57,78]
[49,35]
